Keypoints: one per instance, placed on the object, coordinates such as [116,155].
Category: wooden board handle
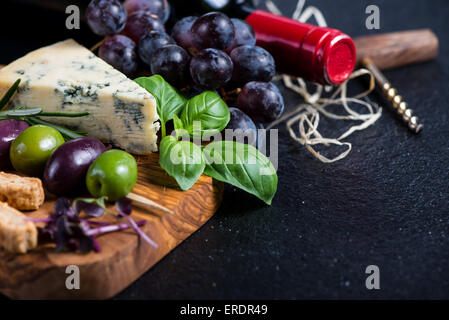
[390,50]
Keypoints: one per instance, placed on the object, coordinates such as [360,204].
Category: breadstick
[16,234]
[21,192]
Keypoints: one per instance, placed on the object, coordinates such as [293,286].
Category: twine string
[306,116]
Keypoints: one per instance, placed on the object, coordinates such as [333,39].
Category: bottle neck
[322,55]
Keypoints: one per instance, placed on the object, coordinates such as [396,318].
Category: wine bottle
[322,55]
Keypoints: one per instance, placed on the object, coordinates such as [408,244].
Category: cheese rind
[66,77]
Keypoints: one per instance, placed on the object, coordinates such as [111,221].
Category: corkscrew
[391,50]
[399,105]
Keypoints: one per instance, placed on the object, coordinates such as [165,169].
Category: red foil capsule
[322,55]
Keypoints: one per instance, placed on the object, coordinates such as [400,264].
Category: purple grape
[262,101]
[239,120]
[172,63]
[244,35]
[161,8]
[252,64]
[106,17]
[211,68]
[181,32]
[212,30]
[195,90]
[140,23]
[120,52]
[151,42]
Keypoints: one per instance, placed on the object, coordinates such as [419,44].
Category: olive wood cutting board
[41,274]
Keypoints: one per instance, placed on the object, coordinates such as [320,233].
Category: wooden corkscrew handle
[396,49]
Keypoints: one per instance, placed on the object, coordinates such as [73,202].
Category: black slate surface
[385,204]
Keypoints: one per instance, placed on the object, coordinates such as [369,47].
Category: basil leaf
[243,166]
[177,122]
[183,160]
[209,109]
[169,101]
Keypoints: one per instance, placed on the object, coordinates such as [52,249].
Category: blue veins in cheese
[66,77]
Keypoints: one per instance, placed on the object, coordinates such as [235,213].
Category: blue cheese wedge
[66,77]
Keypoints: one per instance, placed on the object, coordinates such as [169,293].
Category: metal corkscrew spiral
[399,105]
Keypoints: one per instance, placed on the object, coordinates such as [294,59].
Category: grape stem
[227,95]
[97,45]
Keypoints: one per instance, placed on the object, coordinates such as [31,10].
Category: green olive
[31,149]
[112,175]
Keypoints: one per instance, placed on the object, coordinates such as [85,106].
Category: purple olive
[9,131]
[65,171]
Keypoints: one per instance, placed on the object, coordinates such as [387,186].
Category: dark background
[385,204]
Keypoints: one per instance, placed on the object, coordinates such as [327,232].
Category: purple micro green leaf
[83,227]
[63,207]
[101,203]
[86,244]
[91,206]
[96,245]
[50,228]
[39,220]
[80,238]
[91,209]
[72,245]
[96,223]
[45,234]
[112,228]
[69,232]
[140,232]
[62,233]
[123,206]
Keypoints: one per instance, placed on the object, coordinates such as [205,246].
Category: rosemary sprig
[22,112]
[9,94]
[62,114]
[19,112]
[31,115]
[67,133]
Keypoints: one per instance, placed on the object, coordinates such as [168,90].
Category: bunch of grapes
[211,52]
[124,25]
